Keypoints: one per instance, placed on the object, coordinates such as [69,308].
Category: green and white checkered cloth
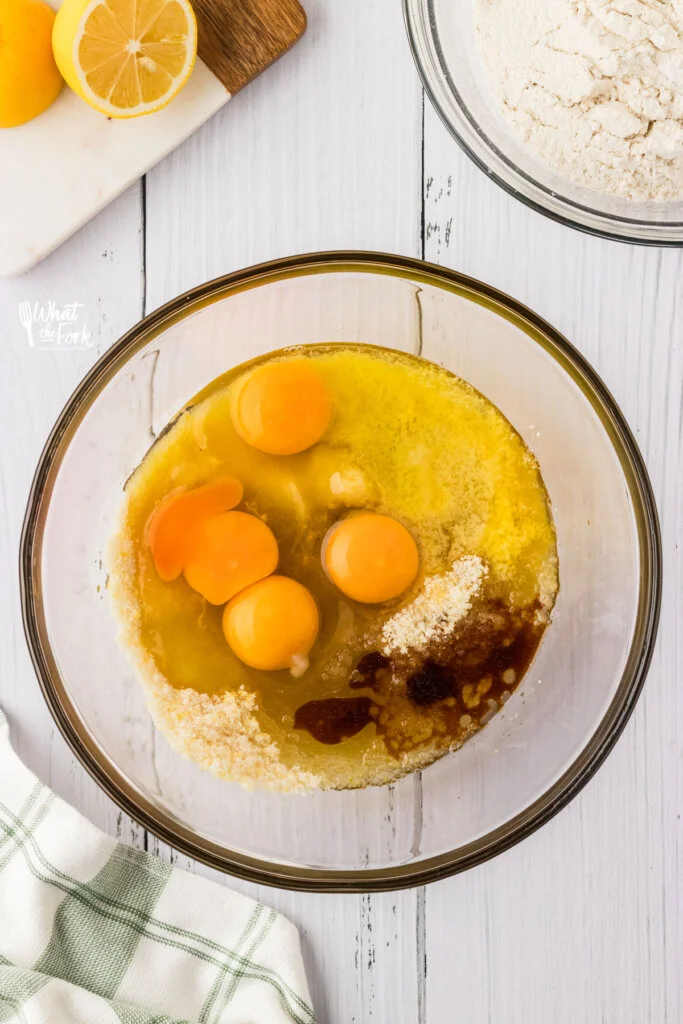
[93,932]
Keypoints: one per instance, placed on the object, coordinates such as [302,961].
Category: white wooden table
[335,147]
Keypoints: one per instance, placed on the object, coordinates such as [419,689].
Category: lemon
[29,79]
[125,57]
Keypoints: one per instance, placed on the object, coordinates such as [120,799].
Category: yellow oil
[407,439]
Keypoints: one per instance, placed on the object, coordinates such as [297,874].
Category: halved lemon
[125,57]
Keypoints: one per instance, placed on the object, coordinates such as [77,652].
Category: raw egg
[272,625]
[232,550]
[371,558]
[281,408]
[173,527]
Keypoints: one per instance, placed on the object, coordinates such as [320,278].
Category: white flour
[595,87]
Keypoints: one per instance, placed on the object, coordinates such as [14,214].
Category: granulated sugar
[442,602]
[594,87]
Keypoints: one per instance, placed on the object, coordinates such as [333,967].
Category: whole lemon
[29,79]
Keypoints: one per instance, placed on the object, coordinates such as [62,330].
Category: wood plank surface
[583,921]
[285,173]
[99,268]
[335,147]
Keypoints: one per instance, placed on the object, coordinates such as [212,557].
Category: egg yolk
[281,408]
[272,625]
[173,526]
[371,558]
[231,551]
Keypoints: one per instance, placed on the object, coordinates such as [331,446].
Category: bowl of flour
[573,106]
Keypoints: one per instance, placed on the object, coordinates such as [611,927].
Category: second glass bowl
[442,38]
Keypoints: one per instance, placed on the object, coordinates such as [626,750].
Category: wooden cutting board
[59,170]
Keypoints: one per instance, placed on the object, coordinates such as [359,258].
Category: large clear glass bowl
[549,738]
[442,38]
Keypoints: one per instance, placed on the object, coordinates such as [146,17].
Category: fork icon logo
[49,326]
[26,317]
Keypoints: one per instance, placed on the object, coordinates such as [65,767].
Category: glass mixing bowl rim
[423,38]
[163,824]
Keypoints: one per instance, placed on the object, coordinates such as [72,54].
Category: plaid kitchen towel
[92,932]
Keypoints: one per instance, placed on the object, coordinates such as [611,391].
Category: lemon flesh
[125,57]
